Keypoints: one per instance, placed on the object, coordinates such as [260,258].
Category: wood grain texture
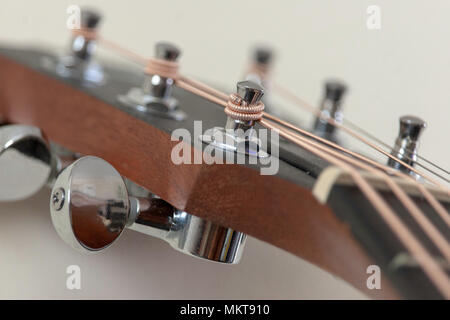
[266,207]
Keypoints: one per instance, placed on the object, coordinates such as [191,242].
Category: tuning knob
[83,47]
[89,204]
[90,207]
[26,163]
[155,96]
[331,107]
[407,143]
[263,56]
[167,51]
[78,63]
[259,72]
[160,88]
[90,19]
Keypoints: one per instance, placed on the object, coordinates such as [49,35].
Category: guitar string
[300,102]
[436,205]
[429,265]
[264,73]
[417,214]
[431,199]
[430,268]
[199,91]
[384,144]
[91,34]
[407,202]
[190,84]
[324,117]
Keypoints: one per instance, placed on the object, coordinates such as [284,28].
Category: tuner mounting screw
[58,197]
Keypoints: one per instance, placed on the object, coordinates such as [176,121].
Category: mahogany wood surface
[267,207]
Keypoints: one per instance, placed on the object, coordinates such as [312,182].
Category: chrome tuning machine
[407,143]
[155,95]
[79,62]
[90,208]
[330,108]
[26,162]
[239,136]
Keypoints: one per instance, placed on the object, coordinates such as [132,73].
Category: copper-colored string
[217,97]
[440,242]
[94,35]
[289,95]
[429,265]
[203,87]
[430,198]
[201,93]
[417,214]
[364,132]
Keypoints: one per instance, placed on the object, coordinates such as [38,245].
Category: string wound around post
[243,110]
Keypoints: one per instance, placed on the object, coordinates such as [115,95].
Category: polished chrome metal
[78,63]
[155,96]
[96,206]
[58,198]
[158,87]
[239,136]
[26,163]
[90,207]
[407,143]
[331,107]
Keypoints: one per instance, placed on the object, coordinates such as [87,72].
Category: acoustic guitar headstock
[169,156]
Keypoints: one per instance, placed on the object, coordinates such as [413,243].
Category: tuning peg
[407,143]
[239,135]
[263,56]
[90,208]
[331,107]
[259,72]
[260,65]
[167,51]
[78,63]
[26,163]
[155,96]
[82,47]
[249,91]
[90,18]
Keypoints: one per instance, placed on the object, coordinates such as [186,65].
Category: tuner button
[90,18]
[263,55]
[334,90]
[411,127]
[89,205]
[25,162]
[167,51]
[407,143]
[250,91]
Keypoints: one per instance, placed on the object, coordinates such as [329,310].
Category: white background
[401,69]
